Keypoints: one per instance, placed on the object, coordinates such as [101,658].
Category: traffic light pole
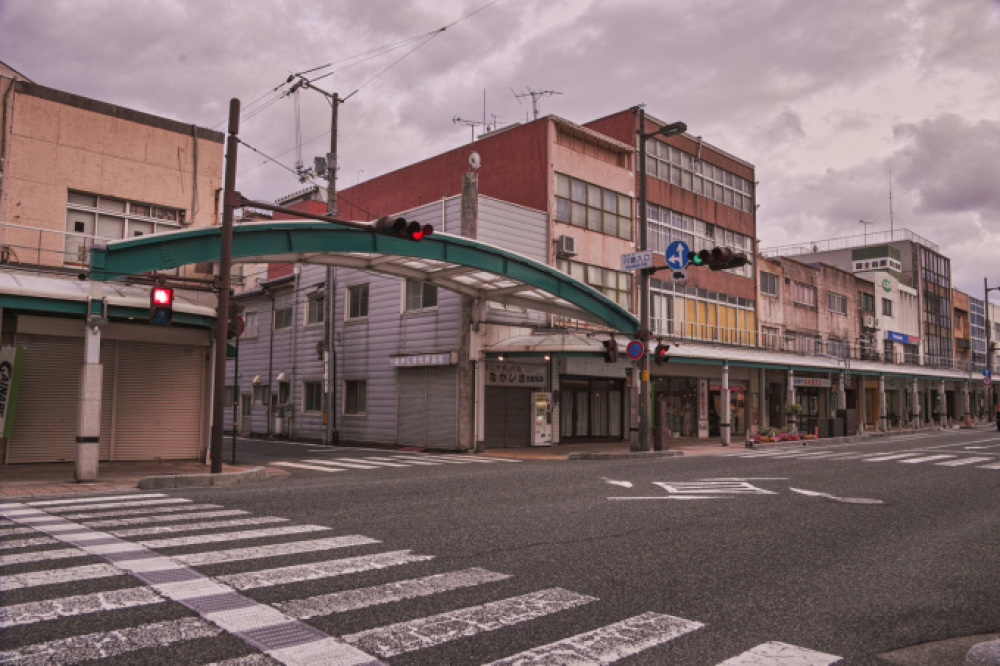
[644,332]
[230,200]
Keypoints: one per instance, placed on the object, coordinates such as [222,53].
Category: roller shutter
[427,410]
[507,417]
[159,393]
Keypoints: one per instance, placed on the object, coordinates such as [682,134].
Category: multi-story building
[78,172]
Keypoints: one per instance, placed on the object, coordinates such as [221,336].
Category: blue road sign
[677,255]
[987,372]
[635,349]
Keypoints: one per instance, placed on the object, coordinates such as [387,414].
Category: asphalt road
[851,553]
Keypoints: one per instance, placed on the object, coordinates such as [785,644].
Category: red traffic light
[610,351]
[661,355]
[161,305]
[399,227]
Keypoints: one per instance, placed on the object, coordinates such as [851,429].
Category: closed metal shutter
[508,417]
[159,397]
[427,410]
[45,420]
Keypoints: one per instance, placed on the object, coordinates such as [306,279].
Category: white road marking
[16,531]
[340,462]
[382,463]
[52,609]
[41,556]
[893,456]
[257,552]
[842,500]
[102,498]
[230,536]
[188,527]
[672,497]
[105,644]
[926,459]
[349,600]
[608,644]
[315,468]
[408,461]
[435,459]
[396,639]
[623,484]
[118,505]
[149,520]
[775,653]
[713,487]
[24,543]
[86,517]
[993,466]
[314,571]
[57,576]
[964,461]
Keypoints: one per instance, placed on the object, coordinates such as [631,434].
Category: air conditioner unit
[566,246]
[870,321]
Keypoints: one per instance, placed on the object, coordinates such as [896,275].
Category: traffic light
[699,258]
[161,305]
[660,355]
[399,227]
[610,351]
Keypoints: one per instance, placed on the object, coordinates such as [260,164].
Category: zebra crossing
[939,459]
[330,465]
[127,561]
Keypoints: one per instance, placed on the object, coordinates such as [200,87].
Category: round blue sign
[677,255]
[635,349]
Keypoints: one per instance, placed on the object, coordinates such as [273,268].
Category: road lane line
[24,543]
[964,461]
[927,459]
[105,644]
[340,462]
[41,556]
[350,600]
[403,637]
[101,498]
[994,466]
[608,644]
[316,570]
[57,576]
[893,456]
[169,518]
[409,461]
[52,609]
[117,505]
[86,517]
[199,539]
[781,653]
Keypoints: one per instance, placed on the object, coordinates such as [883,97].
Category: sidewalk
[41,479]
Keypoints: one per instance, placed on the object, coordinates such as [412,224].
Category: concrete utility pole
[332,434]
[230,200]
[989,351]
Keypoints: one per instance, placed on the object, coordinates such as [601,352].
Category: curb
[251,475]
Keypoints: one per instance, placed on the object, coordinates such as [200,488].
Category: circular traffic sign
[635,349]
[677,255]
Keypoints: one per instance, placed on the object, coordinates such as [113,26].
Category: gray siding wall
[364,346]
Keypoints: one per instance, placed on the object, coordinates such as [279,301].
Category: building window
[91,217]
[249,324]
[260,394]
[768,284]
[420,296]
[616,285]
[804,294]
[674,166]
[312,396]
[886,307]
[771,337]
[282,317]
[866,302]
[593,207]
[355,396]
[357,301]
[316,308]
[664,226]
[836,303]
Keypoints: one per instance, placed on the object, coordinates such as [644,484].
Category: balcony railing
[848,242]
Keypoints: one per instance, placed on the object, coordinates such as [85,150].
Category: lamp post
[866,223]
[989,360]
[644,332]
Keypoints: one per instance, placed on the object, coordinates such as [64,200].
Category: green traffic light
[695,258]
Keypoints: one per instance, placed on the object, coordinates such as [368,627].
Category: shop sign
[526,375]
[415,360]
[902,338]
[810,382]
[702,408]
[733,386]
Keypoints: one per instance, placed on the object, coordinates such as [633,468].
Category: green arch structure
[452,262]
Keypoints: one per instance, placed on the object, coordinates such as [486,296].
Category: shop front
[509,386]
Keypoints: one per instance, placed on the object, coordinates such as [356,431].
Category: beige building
[75,172]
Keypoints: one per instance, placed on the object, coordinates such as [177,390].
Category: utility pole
[989,351]
[230,200]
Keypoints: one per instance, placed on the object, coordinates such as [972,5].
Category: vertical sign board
[11,362]
[702,409]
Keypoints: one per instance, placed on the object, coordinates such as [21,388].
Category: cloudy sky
[826,98]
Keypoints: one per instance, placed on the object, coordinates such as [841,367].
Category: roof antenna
[535,95]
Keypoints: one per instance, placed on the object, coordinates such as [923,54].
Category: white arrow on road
[623,484]
[845,500]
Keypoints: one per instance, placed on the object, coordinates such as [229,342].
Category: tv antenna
[534,95]
[473,124]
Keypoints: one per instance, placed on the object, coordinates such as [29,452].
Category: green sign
[11,362]
[886,285]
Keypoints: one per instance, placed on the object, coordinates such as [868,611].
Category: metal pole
[236,396]
[229,202]
[991,413]
[643,440]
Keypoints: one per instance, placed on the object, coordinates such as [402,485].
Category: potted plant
[792,412]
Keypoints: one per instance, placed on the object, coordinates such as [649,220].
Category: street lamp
[644,333]
[989,361]
[866,223]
